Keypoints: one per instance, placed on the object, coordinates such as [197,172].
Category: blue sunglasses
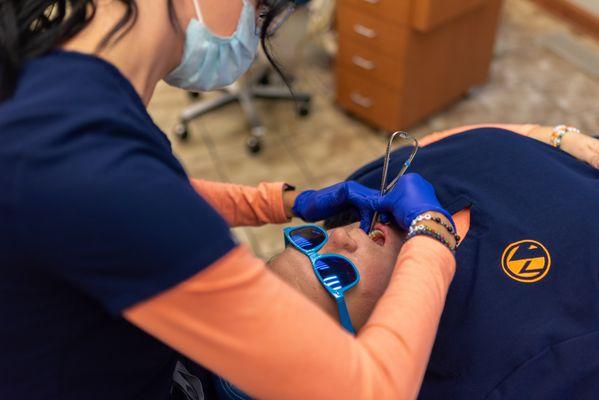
[336,273]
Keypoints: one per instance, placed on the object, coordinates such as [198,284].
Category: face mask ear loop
[198,11]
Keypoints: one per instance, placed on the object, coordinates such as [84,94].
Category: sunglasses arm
[344,314]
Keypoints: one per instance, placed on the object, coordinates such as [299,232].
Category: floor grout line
[254,242]
[296,158]
[214,156]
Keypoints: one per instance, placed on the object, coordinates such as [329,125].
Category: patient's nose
[340,239]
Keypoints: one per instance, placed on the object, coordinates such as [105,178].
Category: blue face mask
[211,61]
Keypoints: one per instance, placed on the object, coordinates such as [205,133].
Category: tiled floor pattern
[528,83]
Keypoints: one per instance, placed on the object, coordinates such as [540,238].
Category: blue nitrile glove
[316,205]
[412,196]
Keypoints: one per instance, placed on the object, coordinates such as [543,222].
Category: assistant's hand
[412,196]
[316,205]
[578,145]
[583,147]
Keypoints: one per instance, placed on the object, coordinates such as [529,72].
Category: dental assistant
[114,264]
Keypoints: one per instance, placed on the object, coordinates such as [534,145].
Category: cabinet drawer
[372,102]
[371,33]
[394,11]
[429,14]
[371,65]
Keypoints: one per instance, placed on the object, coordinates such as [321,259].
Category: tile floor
[528,83]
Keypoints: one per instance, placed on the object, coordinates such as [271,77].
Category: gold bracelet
[558,134]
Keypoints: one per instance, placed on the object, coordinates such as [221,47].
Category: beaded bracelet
[559,132]
[423,230]
[439,221]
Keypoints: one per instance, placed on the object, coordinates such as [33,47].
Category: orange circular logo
[526,261]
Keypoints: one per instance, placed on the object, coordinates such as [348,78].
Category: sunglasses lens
[307,238]
[336,272]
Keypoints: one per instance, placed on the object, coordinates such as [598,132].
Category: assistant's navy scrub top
[96,215]
[534,210]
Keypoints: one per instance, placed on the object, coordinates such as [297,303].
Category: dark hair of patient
[32,28]
[339,220]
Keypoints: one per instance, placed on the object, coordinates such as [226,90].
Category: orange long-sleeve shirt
[244,323]
[244,205]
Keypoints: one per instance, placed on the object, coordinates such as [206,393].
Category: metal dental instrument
[386,188]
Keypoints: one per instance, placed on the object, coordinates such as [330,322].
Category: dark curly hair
[32,28]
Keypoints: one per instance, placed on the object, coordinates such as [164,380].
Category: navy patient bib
[522,314]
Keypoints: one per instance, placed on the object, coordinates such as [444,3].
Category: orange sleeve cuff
[462,223]
[244,205]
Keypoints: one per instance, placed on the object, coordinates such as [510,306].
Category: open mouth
[379,234]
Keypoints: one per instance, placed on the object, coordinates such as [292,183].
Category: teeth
[377,236]
[376,233]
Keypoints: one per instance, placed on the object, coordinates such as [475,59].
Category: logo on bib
[526,261]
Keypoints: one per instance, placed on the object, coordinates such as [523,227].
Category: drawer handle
[364,31]
[361,100]
[373,1]
[363,63]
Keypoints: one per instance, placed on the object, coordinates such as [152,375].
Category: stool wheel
[181,132]
[254,145]
[304,109]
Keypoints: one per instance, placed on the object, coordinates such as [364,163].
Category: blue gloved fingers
[366,216]
[431,202]
[300,207]
[364,200]
[385,218]
[412,196]
[317,205]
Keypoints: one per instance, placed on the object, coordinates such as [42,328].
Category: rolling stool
[245,91]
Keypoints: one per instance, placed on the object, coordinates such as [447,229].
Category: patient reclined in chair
[522,314]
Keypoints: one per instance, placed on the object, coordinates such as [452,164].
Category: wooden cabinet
[365,29]
[393,11]
[429,14]
[371,65]
[401,60]
[376,104]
